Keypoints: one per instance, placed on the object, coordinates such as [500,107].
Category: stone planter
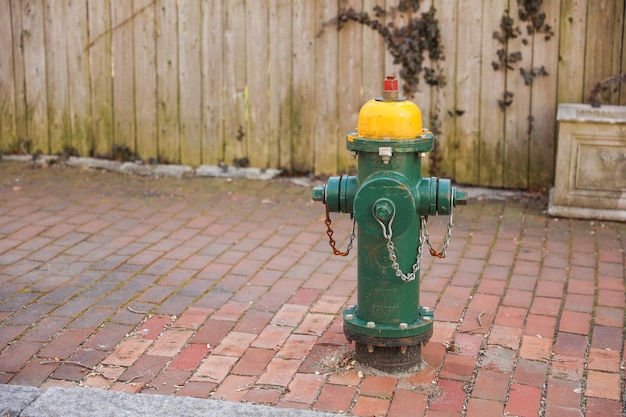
[590,177]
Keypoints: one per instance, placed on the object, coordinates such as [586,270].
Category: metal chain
[446,240]
[388,234]
[332,242]
[424,237]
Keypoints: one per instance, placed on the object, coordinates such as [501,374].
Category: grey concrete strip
[90,402]
[14,398]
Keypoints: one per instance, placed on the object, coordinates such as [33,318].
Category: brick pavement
[228,289]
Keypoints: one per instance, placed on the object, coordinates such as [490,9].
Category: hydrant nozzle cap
[390,88]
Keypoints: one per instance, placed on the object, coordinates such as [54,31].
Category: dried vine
[409,45]
[529,12]
[608,84]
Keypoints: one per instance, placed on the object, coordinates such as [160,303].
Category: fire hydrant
[390,202]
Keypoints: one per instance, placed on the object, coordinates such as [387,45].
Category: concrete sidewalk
[228,290]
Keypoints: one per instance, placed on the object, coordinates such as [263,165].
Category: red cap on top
[390,88]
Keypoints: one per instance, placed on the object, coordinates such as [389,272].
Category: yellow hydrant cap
[389,117]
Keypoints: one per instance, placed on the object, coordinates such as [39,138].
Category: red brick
[523,401]
[212,332]
[570,345]
[65,343]
[193,317]
[253,362]
[305,296]
[563,393]
[43,331]
[304,388]
[600,407]
[575,322]
[609,316]
[335,398]
[604,360]
[546,306]
[478,407]
[289,315]
[231,311]
[350,378]
[214,368]
[607,338]
[33,374]
[128,352]
[328,304]
[279,372]
[108,336]
[253,321]
[567,367]
[491,385]
[537,325]
[560,411]
[450,398]
[167,383]
[458,367]
[508,337]
[233,388]
[145,369]
[272,337]
[470,344]
[370,406]
[170,343]
[234,344]
[511,316]
[190,357]
[72,372]
[315,323]
[266,395]
[529,372]
[603,385]
[378,386]
[297,346]
[153,327]
[407,403]
[518,298]
[199,389]
[536,348]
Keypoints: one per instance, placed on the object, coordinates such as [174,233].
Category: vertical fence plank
[348,85]
[190,82]
[56,76]
[468,80]
[123,75]
[440,117]
[622,89]
[99,50]
[572,34]
[78,81]
[304,132]
[618,65]
[168,143]
[145,79]
[19,74]
[600,53]
[257,103]
[212,82]
[516,126]
[492,87]
[280,76]
[542,139]
[33,42]
[235,142]
[8,133]
[372,56]
[326,84]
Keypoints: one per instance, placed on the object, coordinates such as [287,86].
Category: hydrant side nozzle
[319,193]
[460,197]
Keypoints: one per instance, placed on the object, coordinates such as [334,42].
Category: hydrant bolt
[383,209]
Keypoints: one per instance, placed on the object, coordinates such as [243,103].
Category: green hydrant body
[390,202]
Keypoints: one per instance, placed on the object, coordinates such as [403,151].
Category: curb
[22,401]
[157,170]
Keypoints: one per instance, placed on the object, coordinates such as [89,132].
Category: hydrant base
[389,359]
[388,355]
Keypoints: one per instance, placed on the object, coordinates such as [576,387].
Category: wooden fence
[257,81]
